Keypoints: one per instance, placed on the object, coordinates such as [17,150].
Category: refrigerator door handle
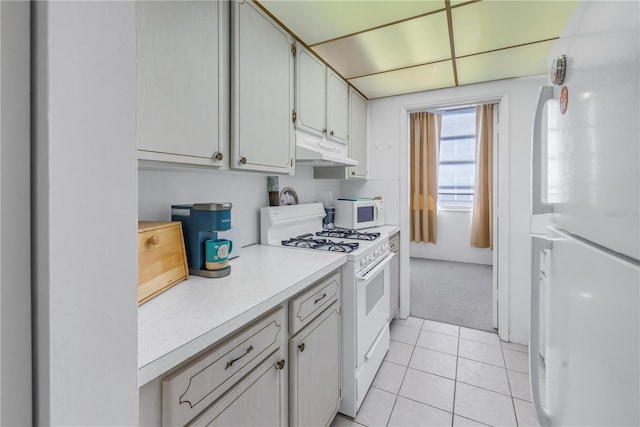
[538,205]
[537,245]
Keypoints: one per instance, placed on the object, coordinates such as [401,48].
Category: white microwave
[359,213]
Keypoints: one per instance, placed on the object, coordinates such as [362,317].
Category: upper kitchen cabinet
[262,133]
[310,93]
[357,143]
[321,98]
[337,108]
[183,82]
[358,134]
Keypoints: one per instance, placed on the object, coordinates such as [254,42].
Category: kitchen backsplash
[161,186]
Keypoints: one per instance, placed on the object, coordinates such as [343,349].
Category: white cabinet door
[337,108]
[258,400]
[316,371]
[262,137]
[183,103]
[358,134]
[358,150]
[310,93]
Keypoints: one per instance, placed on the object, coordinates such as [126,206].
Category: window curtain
[425,143]
[482,219]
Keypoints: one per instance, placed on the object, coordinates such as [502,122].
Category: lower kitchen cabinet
[258,400]
[250,379]
[315,372]
[231,374]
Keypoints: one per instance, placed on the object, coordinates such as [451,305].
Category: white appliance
[365,288]
[359,213]
[585,332]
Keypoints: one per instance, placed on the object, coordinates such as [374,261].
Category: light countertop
[198,312]
[387,230]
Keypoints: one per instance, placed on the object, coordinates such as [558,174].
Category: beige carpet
[452,292]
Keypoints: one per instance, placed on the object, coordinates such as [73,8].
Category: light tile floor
[436,374]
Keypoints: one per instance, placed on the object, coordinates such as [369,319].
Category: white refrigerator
[585,279]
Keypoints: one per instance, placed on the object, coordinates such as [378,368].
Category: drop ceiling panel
[529,60]
[415,79]
[488,25]
[315,21]
[413,42]
[391,47]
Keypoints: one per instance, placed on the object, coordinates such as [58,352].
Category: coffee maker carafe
[201,222]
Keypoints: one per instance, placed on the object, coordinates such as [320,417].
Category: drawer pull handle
[323,295]
[301,347]
[153,240]
[280,364]
[238,358]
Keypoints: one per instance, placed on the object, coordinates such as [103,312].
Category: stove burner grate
[307,241]
[348,234]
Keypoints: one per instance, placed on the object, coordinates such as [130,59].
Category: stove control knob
[362,262]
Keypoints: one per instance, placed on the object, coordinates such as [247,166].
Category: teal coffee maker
[201,222]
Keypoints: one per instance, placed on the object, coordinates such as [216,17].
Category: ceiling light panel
[529,60]
[409,43]
[315,21]
[414,79]
[487,25]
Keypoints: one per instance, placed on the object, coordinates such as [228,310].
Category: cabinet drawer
[306,306]
[188,391]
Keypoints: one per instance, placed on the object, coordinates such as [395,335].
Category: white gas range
[365,288]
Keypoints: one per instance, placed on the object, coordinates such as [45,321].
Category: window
[457,169]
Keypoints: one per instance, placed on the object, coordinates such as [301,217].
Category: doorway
[497,258]
[451,270]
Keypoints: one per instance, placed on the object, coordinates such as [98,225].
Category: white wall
[161,186]
[385,167]
[85,213]
[15,221]
[453,242]
[388,124]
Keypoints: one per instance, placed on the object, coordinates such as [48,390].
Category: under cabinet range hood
[321,152]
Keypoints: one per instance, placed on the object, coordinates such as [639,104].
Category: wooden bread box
[162,260]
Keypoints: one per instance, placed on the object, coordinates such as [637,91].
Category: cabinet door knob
[153,240]
[353,172]
[243,160]
[301,347]
[218,156]
[331,133]
[324,130]
[280,364]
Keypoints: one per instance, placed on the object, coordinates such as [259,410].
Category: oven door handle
[381,265]
[374,345]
